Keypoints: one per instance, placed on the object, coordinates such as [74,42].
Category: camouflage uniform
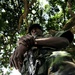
[38,61]
[35,58]
[61,64]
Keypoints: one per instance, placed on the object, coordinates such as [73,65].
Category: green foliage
[49,16]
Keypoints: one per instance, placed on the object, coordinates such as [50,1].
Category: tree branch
[70,8]
[26,11]
[71,22]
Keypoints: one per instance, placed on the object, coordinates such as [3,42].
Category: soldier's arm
[61,40]
[24,44]
[56,42]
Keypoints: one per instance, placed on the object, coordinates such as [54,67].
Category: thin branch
[26,11]
[71,22]
[70,8]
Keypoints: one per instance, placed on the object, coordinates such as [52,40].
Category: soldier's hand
[16,59]
[25,43]
[27,40]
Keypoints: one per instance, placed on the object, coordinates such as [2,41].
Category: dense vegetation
[16,15]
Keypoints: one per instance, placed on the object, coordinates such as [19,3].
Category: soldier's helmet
[34,26]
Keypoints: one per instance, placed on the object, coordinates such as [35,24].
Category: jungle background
[17,15]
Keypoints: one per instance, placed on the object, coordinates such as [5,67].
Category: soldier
[38,47]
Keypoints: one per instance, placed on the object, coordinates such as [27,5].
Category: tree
[16,15]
